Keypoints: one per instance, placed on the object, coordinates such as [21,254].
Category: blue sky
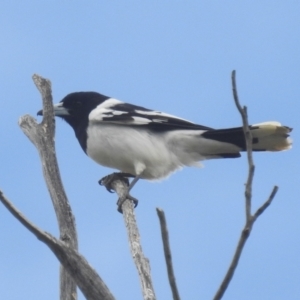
[177,57]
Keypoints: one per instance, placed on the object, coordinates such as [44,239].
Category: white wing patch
[104,110]
[114,111]
[141,120]
[117,112]
[154,113]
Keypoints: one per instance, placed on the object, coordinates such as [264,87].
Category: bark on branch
[82,273]
[120,186]
[167,252]
[75,269]
[42,136]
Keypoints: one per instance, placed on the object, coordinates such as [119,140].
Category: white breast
[130,150]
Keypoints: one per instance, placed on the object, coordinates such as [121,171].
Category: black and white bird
[150,144]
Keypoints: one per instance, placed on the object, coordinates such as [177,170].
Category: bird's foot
[108,180]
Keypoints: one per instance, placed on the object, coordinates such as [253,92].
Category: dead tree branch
[250,219]
[167,252]
[120,186]
[75,270]
[91,285]
[42,136]
[248,137]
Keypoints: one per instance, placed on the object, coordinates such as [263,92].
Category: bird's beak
[58,110]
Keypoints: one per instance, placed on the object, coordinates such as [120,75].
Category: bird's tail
[267,136]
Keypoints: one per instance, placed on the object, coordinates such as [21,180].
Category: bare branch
[20,217]
[266,204]
[248,195]
[167,251]
[243,238]
[248,137]
[75,269]
[120,186]
[42,136]
[84,275]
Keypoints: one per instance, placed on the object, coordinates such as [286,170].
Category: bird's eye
[78,104]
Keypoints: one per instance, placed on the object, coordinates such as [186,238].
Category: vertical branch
[250,219]
[248,138]
[167,251]
[120,186]
[141,262]
[42,136]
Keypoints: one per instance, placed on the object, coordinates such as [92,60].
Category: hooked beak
[58,110]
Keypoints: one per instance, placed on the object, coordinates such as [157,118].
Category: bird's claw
[109,179]
[123,199]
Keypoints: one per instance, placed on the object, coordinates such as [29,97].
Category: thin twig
[248,195]
[230,272]
[90,283]
[20,217]
[261,209]
[248,138]
[120,186]
[167,252]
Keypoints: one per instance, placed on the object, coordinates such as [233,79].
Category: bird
[148,144]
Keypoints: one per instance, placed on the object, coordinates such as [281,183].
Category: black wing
[117,112]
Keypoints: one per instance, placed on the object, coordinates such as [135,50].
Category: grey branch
[120,186]
[42,136]
[75,270]
[167,252]
[248,137]
[250,219]
[84,275]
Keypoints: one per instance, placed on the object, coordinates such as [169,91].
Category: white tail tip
[271,136]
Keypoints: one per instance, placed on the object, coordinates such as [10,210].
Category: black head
[76,107]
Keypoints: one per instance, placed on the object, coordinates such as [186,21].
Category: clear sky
[177,57]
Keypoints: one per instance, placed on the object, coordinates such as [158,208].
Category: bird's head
[76,107]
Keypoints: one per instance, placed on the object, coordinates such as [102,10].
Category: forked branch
[75,271]
[89,282]
[250,219]
[42,136]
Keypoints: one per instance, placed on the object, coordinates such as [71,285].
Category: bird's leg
[133,182]
[109,179]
